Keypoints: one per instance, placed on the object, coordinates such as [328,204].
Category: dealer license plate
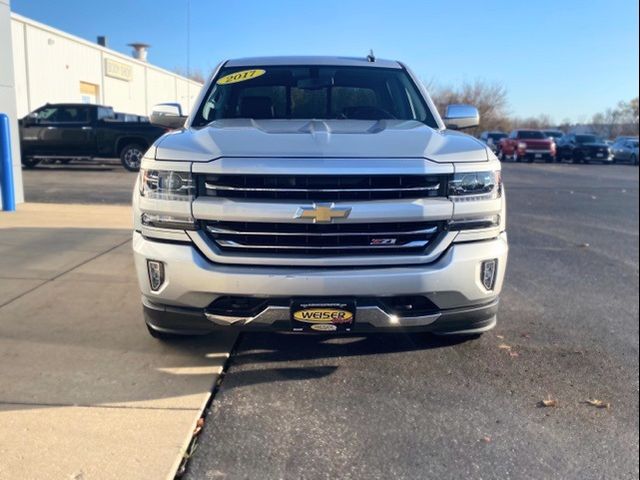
[322,316]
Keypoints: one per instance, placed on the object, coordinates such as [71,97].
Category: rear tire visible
[131,156]
[30,162]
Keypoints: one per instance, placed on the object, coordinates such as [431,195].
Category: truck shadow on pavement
[257,355]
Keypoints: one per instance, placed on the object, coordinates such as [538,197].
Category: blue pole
[6,167]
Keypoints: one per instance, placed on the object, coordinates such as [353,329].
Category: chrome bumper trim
[367,314]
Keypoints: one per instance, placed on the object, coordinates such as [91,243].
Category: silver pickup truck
[320,194]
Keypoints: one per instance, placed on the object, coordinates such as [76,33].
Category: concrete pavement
[85,392]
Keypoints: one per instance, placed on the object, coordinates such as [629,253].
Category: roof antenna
[371,57]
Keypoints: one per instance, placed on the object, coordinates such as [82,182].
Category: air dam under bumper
[192,283]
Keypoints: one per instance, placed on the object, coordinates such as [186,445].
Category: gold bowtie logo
[323,212]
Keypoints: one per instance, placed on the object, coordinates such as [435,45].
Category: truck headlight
[159,220]
[166,185]
[475,186]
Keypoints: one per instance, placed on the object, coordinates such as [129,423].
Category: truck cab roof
[312,60]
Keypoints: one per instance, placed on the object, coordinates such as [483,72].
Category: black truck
[64,131]
[583,148]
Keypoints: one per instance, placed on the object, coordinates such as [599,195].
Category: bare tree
[489,97]
[539,122]
[195,75]
[621,120]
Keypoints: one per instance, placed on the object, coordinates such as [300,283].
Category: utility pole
[188,106]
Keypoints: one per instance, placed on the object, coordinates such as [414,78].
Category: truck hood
[593,145]
[319,138]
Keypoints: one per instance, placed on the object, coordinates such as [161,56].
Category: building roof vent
[140,51]
[102,40]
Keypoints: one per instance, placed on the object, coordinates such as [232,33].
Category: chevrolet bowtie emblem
[323,212]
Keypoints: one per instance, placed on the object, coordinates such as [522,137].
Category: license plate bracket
[322,316]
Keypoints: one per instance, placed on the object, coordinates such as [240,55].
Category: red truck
[529,145]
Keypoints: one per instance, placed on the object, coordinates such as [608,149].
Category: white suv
[318,194]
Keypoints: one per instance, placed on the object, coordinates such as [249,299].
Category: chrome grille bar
[425,231]
[234,244]
[211,186]
[334,188]
[323,239]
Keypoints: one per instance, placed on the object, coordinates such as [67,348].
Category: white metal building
[53,66]
[7,95]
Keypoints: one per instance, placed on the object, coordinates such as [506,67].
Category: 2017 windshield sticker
[240,76]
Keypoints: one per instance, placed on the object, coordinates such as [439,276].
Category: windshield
[497,136]
[553,134]
[313,92]
[587,139]
[531,134]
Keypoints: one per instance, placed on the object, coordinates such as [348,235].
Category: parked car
[76,130]
[625,137]
[626,150]
[529,145]
[492,139]
[583,148]
[554,134]
[267,217]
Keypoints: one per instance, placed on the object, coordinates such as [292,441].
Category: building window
[88,92]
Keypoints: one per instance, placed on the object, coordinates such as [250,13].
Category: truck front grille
[331,188]
[401,238]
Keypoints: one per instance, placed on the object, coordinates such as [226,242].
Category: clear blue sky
[569,58]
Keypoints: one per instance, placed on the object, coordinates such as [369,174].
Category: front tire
[578,157]
[131,156]
[633,159]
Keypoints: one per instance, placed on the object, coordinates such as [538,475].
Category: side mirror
[167,115]
[461,116]
[30,120]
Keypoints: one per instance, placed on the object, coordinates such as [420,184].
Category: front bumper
[452,283]
[192,321]
[538,155]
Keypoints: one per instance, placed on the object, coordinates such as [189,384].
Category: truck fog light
[156,274]
[488,273]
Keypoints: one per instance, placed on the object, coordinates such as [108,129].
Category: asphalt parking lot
[415,406]
[90,182]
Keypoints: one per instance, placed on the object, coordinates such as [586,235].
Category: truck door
[75,135]
[510,144]
[39,133]
[58,130]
